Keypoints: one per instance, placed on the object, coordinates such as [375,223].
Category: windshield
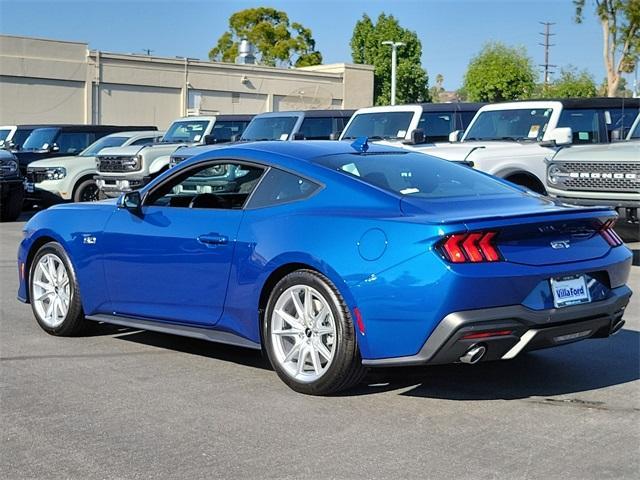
[108,141]
[416,175]
[185,131]
[269,128]
[4,133]
[635,133]
[381,126]
[41,139]
[521,124]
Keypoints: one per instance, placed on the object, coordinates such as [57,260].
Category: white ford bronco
[600,175]
[128,168]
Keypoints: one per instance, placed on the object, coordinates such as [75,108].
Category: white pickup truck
[512,140]
[128,168]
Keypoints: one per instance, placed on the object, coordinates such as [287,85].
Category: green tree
[620,21]
[367,47]
[571,84]
[437,89]
[277,40]
[499,73]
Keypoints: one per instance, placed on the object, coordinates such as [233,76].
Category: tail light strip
[473,247]
[609,234]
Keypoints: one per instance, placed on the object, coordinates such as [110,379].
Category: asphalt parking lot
[129,404]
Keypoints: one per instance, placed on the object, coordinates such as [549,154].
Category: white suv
[128,168]
[53,180]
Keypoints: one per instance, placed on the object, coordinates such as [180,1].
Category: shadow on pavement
[193,346]
[580,367]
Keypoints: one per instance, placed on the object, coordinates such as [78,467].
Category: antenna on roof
[361,144]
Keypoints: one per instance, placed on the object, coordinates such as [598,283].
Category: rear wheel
[309,335]
[54,294]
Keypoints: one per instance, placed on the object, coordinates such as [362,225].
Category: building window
[235,97]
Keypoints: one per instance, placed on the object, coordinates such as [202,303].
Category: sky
[451,31]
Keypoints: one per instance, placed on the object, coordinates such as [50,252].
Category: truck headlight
[56,173]
[8,167]
[132,163]
[554,174]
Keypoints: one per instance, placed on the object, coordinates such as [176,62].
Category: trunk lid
[532,230]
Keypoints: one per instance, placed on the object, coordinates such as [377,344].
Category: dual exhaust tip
[617,326]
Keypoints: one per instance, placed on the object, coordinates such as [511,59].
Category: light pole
[394,48]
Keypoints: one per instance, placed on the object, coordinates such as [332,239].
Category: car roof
[580,103]
[98,128]
[134,133]
[309,113]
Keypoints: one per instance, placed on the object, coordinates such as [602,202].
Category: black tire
[74,322]
[86,191]
[12,205]
[346,369]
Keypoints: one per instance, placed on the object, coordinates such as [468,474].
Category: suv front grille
[36,175]
[116,164]
[599,176]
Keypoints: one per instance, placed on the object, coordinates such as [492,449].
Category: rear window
[416,175]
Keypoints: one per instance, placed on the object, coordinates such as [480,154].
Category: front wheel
[87,191]
[54,293]
[309,335]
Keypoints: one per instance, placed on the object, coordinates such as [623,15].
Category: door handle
[213,239]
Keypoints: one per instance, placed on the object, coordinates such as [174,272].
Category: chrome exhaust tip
[474,354]
[617,326]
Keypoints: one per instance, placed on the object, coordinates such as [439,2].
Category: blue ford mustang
[331,257]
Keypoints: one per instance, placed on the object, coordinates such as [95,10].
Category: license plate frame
[569,290]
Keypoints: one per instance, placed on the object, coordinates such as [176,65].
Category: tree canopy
[499,73]
[277,40]
[571,84]
[620,21]
[367,47]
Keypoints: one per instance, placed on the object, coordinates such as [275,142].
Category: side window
[317,128]
[145,141]
[225,185]
[583,123]
[74,142]
[281,187]
[436,126]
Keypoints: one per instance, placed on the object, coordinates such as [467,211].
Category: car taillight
[474,247]
[609,234]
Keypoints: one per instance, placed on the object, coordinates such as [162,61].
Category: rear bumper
[530,330]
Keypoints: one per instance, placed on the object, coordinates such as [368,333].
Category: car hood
[62,162]
[627,151]
[467,150]
[131,150]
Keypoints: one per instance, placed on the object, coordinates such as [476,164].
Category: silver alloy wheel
[51,290]
[303,333]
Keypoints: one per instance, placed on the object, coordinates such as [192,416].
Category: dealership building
[52,81]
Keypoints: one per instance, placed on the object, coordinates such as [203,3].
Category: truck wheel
[309,335]
[86,191]
[54,292]
[11,208]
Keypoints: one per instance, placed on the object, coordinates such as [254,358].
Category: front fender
[159,164]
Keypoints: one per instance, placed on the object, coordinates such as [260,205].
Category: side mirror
[335,135]
[235,138]
[298,136]
[210,140]
[54,148]
[456,136]
[558,137]
[131,201]
[415,138]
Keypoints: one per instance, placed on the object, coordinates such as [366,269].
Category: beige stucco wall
[53,81]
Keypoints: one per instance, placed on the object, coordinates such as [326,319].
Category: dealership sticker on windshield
[569,291]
